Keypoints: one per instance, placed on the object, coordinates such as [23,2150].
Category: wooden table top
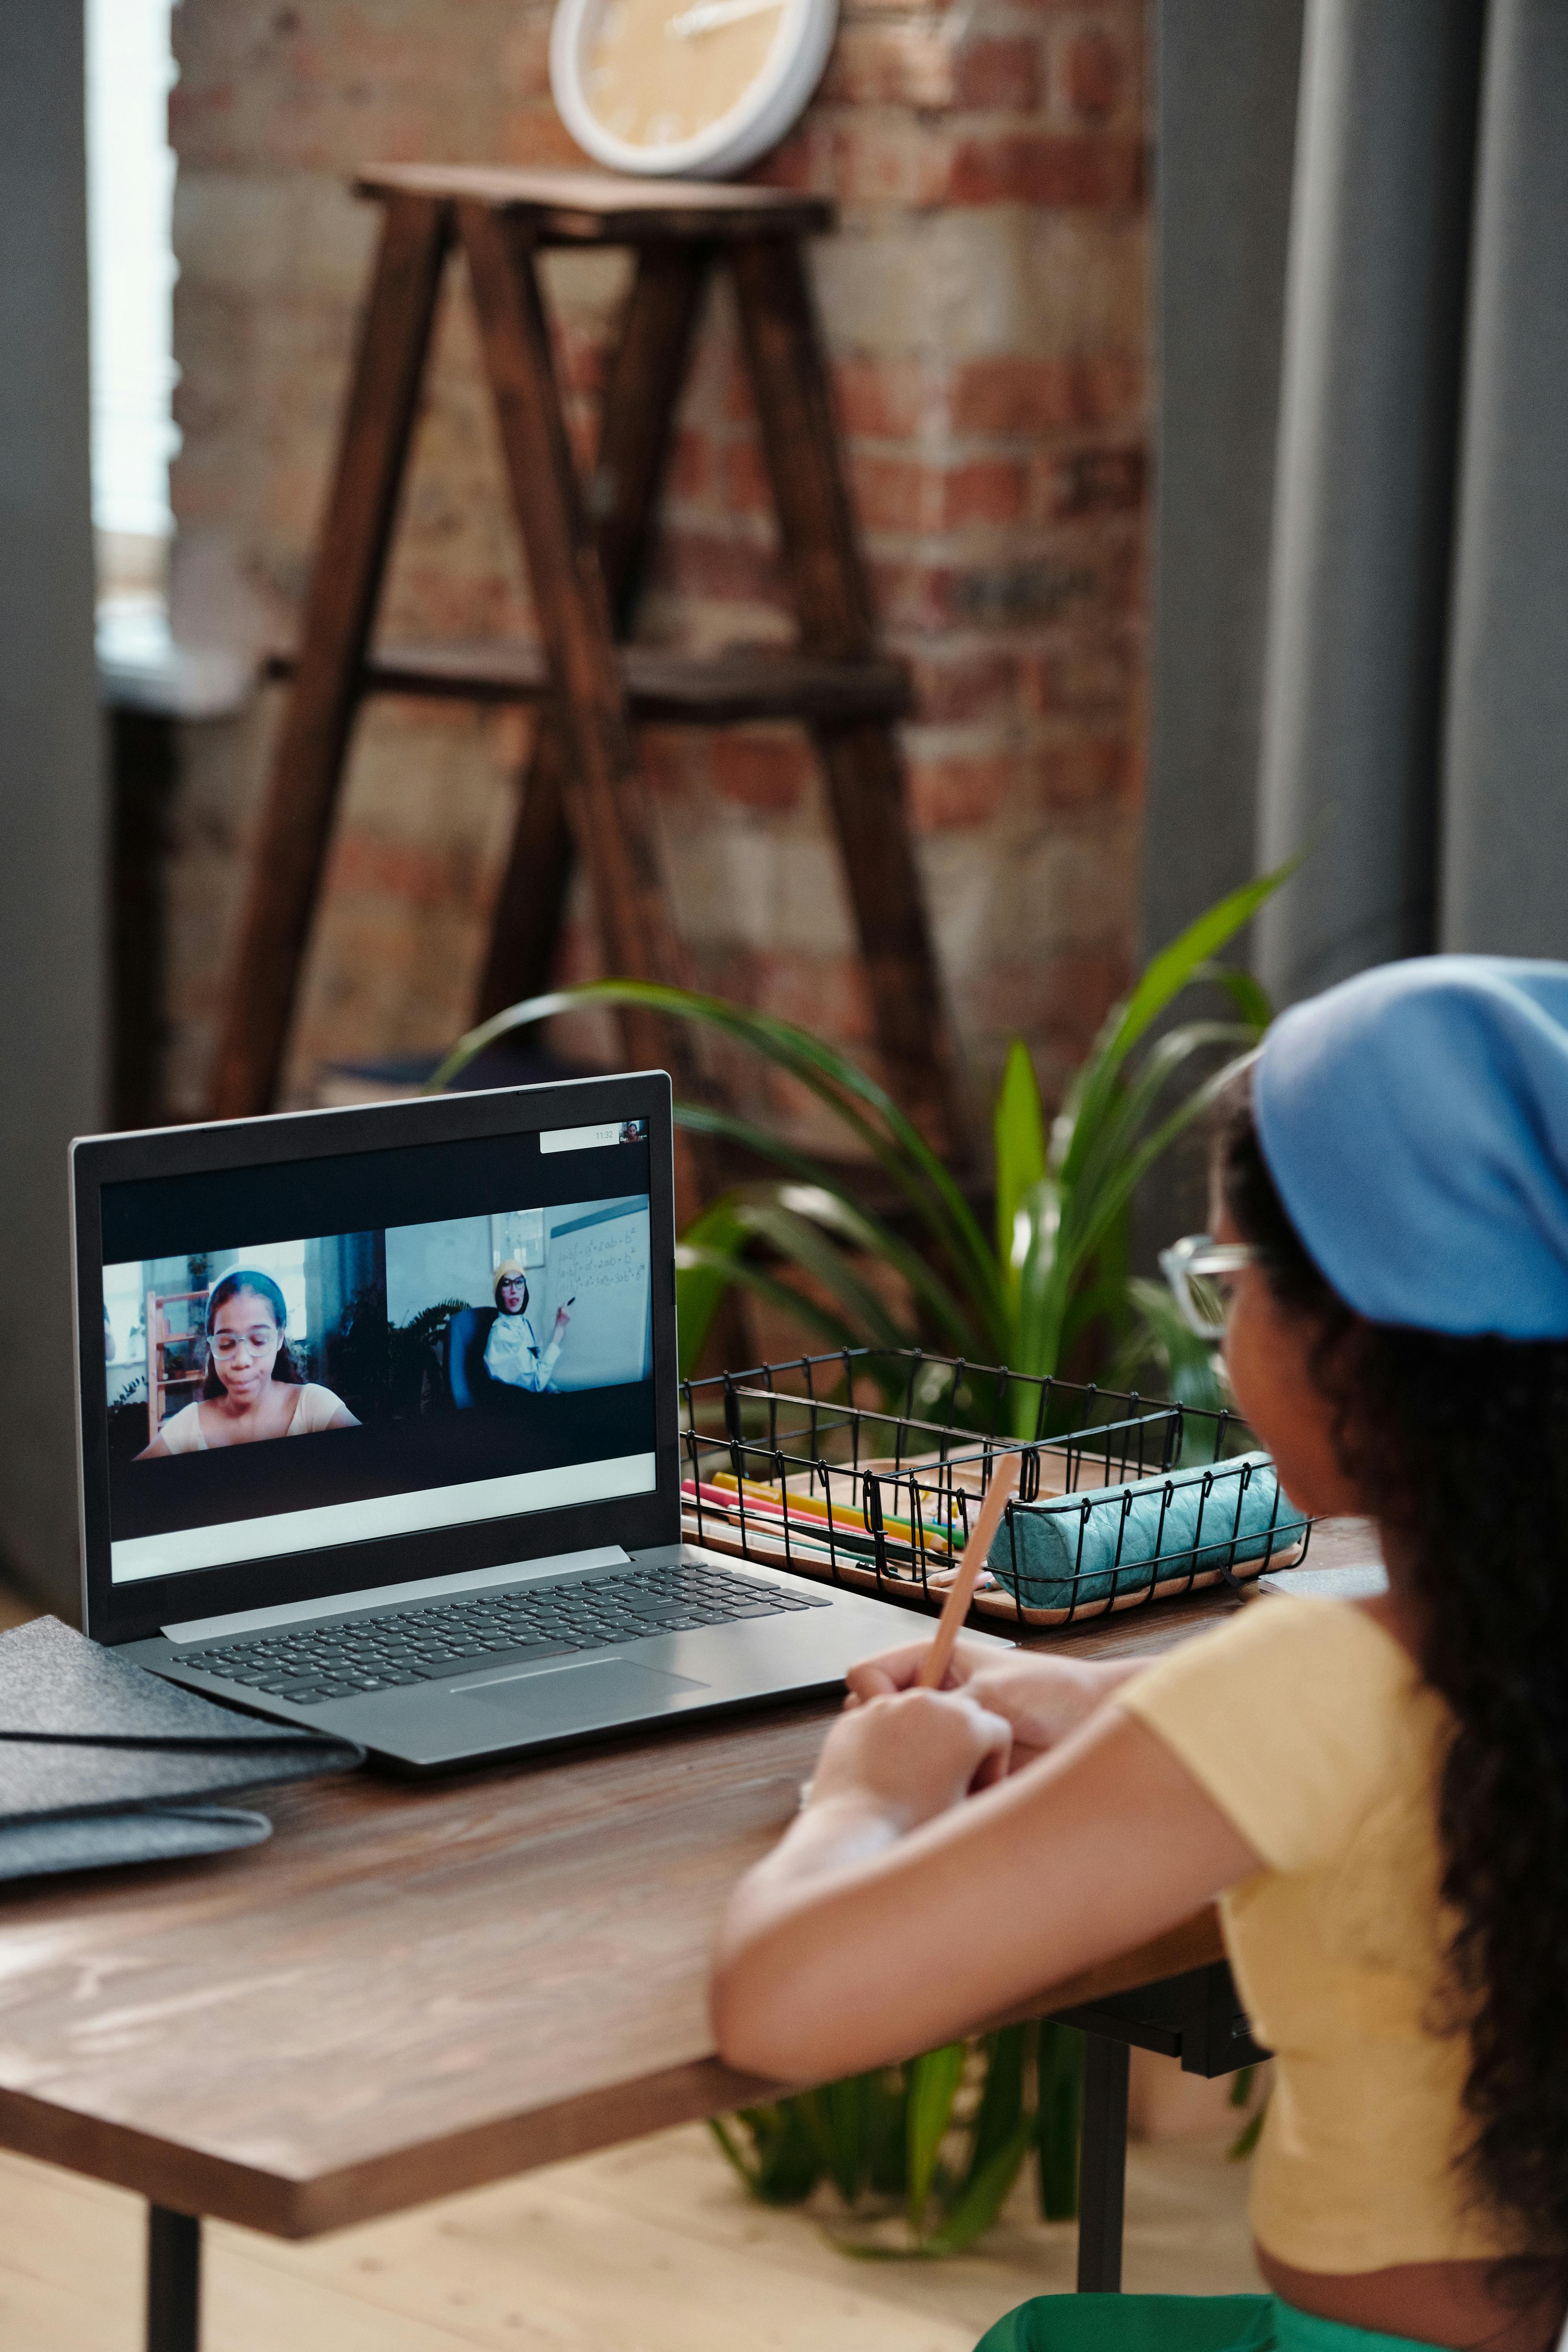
[416,1987]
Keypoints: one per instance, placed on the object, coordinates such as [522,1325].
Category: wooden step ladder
[585,545]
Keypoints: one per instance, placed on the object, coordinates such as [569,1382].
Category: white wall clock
[689,89]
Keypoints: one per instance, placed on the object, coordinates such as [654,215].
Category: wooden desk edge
[191,2180]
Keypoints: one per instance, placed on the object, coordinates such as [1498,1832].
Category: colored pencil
[819,1533]
[842,1514]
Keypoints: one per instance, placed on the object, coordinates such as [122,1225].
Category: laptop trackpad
[575,1698]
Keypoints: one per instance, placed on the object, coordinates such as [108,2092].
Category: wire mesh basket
[865,1467]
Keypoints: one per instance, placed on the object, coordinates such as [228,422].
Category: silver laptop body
[378,1427]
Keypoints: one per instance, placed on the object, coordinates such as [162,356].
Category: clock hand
[709,14]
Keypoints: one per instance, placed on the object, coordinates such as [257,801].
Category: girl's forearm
[854,1943]
[834,1838]
[838,1833]
[1109,1674]
[788,1921]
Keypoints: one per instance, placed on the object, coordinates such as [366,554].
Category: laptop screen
[392,1342]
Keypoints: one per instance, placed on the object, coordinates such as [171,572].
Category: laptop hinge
[428,1587]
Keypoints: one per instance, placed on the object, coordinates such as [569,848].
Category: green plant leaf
[950,1315]
[823,1208]
[734,2154]
[781,2166]
[1116,1192]
[1162,979]
[739,1269]
[801,1242]
[863,1107]
[1009,2054]
[701,1278]
[1243,2089]
[1058,2118]
[1124,1111]
[1103,1299]
[886,2130]
[882,2132]
[1018,1127]
[983,2195]
[1250,998]
[1163,1341]
[1170,972]
[934,2086]
[1099,1297]
[1037,1327]
[843,2104]
[1247,2137]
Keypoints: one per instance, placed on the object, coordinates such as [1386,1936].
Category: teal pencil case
[1110,1543]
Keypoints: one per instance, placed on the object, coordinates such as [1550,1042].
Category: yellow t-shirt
[1309,1727]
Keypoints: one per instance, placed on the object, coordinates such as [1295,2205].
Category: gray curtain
[1504,875]
[52,845]
[1224,138]
[1395,700]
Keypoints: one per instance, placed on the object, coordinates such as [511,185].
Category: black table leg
[173,2281]
[1102,2171]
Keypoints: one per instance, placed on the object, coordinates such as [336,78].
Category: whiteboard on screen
[596,1255]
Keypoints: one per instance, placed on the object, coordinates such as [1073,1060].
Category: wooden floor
[651,2248]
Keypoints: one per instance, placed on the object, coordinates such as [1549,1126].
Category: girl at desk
[1376,1791]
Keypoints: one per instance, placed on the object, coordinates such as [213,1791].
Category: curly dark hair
[261,1285]
[1460,1446]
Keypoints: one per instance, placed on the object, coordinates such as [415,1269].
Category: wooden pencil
[961,1591]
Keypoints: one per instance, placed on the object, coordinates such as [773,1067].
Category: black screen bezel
[112,1613]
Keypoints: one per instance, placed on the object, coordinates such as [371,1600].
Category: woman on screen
[254,1387]
[513,1354]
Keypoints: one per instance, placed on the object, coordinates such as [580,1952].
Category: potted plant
[939,2141]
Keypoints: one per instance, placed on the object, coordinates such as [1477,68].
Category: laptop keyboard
[425,1644]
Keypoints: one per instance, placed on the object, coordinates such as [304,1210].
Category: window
[130,188]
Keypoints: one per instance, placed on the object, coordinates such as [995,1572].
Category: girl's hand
[1042,1699]
[561,1320]
[909,1755]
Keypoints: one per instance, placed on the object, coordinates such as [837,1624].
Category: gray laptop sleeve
[102,1763]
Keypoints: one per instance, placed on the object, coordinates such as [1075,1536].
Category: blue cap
[1415,1120]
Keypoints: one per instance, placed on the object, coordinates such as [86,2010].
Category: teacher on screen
[513,1354]
[254,1389]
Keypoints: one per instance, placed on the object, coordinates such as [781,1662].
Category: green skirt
[1177,2323]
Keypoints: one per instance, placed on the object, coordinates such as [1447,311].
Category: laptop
[378,1427]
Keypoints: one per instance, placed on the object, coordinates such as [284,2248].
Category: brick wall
[985,304]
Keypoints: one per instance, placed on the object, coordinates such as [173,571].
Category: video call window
[465,1355]
[278,1339]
